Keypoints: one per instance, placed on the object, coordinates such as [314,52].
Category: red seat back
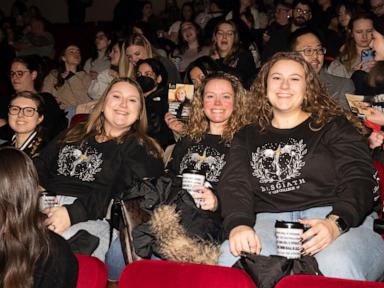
[305,281]
[166,274]
[92,272]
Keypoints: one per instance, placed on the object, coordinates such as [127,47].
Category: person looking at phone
[306,42]
[370,82]
[349,59]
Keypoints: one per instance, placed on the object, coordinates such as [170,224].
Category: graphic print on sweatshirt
[203,158]
[278,166]
[83,165]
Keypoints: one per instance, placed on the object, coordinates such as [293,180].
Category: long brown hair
[24,237]
[317,100]
[138,40]
[95,124]
[198,123]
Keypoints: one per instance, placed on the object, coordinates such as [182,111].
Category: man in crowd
[308,44]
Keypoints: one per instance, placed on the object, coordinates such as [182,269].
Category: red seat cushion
[310,281]
[158,274]
[92,272]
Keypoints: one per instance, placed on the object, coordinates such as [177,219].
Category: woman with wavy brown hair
[302,161]
[30,255]
[97,160]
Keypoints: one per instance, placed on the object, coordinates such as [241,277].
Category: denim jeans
[357,254]
[114,260]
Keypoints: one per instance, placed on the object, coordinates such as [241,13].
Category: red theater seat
[92,272]
[166,274]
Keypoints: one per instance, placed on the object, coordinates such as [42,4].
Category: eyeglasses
[310,51]
[18,74]
[304,12]
[27,111]
[221,34]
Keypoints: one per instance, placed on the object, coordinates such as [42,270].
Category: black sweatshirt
[94,173]
[284,170]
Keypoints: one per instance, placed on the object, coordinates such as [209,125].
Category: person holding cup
[304,161]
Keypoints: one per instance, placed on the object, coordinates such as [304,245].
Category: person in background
[25,117]
[187,14]
[138,47]
[118,68]
[190,46]
[306,42]
[228,54]
[349,59]
[31,255]
[377,7]
[97,160]
[270,175]
[152,78]
[26,75]
[68,83]
[99,60]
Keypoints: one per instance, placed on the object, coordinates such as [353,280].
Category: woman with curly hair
[30,254]
[303,160]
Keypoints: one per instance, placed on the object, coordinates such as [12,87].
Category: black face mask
[146,83]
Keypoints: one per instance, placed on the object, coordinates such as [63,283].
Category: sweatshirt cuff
[232,222]
[76,212]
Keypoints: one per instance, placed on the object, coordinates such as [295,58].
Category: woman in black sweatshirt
[303,160]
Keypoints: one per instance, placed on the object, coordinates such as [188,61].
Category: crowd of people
[269,128]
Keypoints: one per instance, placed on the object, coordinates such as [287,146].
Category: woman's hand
[374,116]
[58,219]
[207,199]
[375,139]
[322,233]
[173,123]
[244,239]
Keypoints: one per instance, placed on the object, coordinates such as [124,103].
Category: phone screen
[366,55]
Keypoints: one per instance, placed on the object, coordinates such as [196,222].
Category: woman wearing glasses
[228,55]
[25,116]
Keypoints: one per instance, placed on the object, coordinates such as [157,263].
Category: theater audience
[31,255]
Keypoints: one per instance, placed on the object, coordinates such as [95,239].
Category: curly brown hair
[317,100]
[198,123]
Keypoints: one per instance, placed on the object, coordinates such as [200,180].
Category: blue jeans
[115,260]
[357,254]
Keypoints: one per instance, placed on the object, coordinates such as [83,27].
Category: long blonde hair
[95,124]
[317,100]
[198,123]
[139,40]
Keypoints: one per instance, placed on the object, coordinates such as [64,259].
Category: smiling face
[225,37]
[286,87]
[20,123]
[310,41]
[362,32]
[377,44]
[21,77]
[121,108]
[218,104]
[136,53]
